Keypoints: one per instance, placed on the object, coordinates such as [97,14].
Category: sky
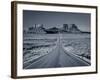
[56,19]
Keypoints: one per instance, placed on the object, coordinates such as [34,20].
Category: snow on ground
[36,47]
[79,47]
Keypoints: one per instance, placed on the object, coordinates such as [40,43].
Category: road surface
[57,58]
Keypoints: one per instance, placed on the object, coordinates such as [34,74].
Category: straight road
[57,58]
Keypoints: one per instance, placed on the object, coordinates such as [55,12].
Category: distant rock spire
[36,29]
[66,28]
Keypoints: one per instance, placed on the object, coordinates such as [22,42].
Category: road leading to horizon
[57,58]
